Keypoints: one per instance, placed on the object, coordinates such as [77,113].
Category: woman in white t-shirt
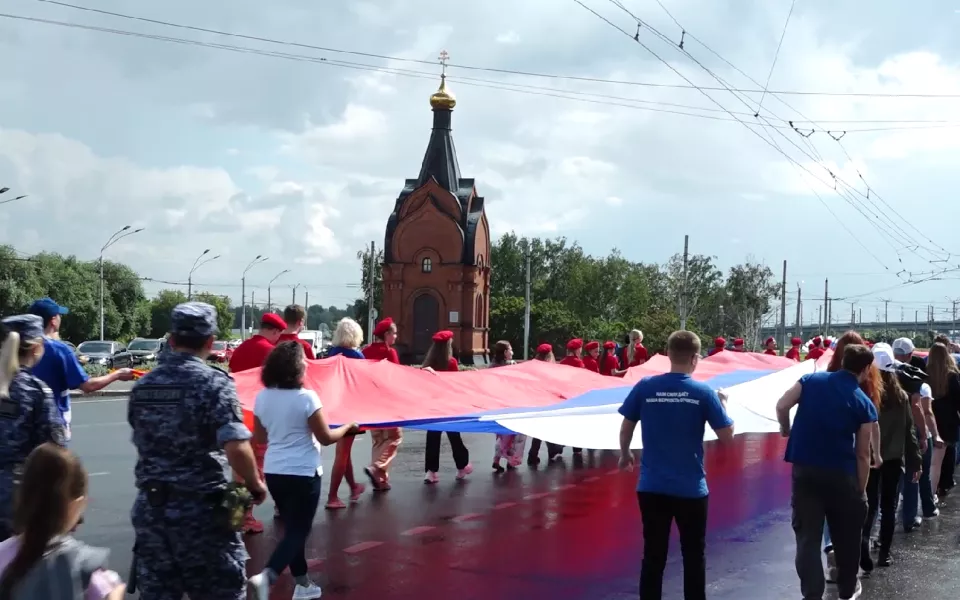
[291,419]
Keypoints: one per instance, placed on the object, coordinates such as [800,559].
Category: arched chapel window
[426,265]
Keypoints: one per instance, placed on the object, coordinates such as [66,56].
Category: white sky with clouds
[302,162]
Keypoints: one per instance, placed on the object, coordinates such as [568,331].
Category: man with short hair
[903,351]
[294,316]
[59,367]
[829,447]
[673,485]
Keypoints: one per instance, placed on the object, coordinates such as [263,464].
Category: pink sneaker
[357,491]
[462,473]
[430,477]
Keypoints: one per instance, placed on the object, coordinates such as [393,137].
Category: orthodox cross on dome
[444,57]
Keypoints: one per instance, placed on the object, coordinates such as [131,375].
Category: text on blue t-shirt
[831,410]
[672,410]
[60,370]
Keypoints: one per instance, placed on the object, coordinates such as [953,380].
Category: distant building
[436,271]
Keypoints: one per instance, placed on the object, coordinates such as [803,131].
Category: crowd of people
[874,432]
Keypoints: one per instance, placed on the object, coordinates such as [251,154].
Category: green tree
[160,308]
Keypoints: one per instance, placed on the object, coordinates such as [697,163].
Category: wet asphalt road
[566,532]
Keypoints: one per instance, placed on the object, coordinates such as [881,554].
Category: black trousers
[833,495]
[883,492]
[461,456]
[552,449]
[948,469]
[658,512]
[296,498]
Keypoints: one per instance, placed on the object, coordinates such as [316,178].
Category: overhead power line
[480,68]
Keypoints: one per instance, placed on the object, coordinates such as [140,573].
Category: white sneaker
[462,473]
[258,587]
[856,592]
[307,592]
[430,477]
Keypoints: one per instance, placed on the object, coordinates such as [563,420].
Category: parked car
[221,352]
[80,357]
[112,355]
[144,350]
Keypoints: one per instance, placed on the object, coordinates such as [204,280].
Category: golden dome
[443,98]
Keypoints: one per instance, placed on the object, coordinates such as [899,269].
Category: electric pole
[683,284]
[526,307]
[799,313]
[783,309]
[826,305]
[886,317]
[370,294]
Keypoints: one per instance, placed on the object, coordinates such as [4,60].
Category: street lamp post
[116,237]
[196,265]
[243,295]
[294,299]
[4,190]
[269,302]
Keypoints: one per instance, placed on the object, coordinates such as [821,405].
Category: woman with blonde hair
[32,414]
[944,380]
[634,353]
[347,339]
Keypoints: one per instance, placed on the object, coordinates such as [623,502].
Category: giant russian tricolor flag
[554,403]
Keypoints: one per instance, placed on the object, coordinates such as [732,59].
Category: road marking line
[536,496]
[362,546]
[591,479]
[504,505]
[418,530]
[467,517]
[98,474]
[566,487]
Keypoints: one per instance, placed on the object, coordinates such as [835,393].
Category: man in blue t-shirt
[59,367]
[673,485]
[829,447]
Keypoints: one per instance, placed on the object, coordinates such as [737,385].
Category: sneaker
[430,477]
[357,491]
[307,592]
[462,473]
[831,574]
[335,504]
[497,467]
[856,592]
[934,514]
[258,587]
[884,559]
[252,526]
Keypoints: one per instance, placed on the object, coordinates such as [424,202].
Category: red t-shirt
[640,356]
[714,351]
[770,352]
[251,354]
[380,351]
[591,364]
[292,337]
[572,361]
[815,352]
[453,365]
[610,364]
[793,353]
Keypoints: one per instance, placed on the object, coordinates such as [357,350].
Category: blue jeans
[297,498]
[921,491]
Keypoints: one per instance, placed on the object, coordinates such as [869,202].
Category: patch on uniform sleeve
[158,395]
[9,409]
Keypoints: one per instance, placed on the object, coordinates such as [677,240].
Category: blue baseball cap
[47,309]
[193,319]
[30,327]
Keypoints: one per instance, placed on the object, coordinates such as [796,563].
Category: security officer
[188,430]
[28,413]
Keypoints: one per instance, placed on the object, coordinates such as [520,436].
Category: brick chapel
[436,270]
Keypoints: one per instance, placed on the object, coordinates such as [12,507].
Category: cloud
[316,153]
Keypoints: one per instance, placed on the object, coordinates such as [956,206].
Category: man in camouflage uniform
[188,430]
[28,417]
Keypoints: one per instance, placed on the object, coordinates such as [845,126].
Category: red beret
[575,344]
[592,345]
[383,327]
[442,336]
[609,345]
[719,342]
[273,320]
[795,341]
[826,343]
[817,341]
[738,342]
[544,348]
[768,340]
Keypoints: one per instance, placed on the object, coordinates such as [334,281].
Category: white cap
[883,358]
[903,346]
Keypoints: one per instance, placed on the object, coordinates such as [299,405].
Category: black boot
[884,559]
[866,563]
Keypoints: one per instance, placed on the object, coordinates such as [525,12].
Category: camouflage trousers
[182,550]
